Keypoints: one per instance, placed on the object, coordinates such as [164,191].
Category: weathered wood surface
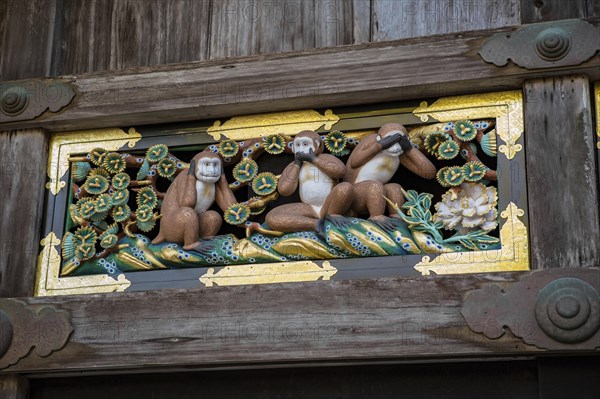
[329,321]
[552,10]
[359,74]
[393,19]
[13,387]
[561,173]
[22,190]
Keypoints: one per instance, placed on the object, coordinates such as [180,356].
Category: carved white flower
[471,208]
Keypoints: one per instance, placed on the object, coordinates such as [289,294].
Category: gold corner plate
[506,107]
[49,283]
[287,123]
[597,103]
[269,273]
[512,256]
[63,145]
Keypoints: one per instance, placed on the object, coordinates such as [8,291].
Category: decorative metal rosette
[336,142]
[96,156]
[274,144]
[103,203]
[228,148]
[113,163]
[108,240]
[473,171]
[245,170]
[80,171]
[120,197]
[96,185]
[121,213]
[121,181]
[237,214]
[146,197]
[264,183]
[465,130]
[166,168]
[84,241]
[157,152]
[447,150]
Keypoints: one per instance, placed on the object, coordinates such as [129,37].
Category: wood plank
[552,10]
[348,75]
[22,178]
[361,16]
[117,34]
[392,19]
[348,320]
[13,387]
[561,173]
[27,30]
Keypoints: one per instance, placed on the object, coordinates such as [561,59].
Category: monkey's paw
[385,223]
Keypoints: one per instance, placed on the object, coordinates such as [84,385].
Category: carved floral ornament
[137,204]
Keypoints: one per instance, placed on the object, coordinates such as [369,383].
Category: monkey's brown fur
[180,223]
[302,216]
[369,194]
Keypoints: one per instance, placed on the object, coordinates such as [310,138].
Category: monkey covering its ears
[315,174]
[186,217]
[373,163]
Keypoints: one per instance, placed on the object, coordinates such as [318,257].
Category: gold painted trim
[513,256]
[48,283]
[260,125]
[63,145]
[268,273]
[506,107]
[597,103]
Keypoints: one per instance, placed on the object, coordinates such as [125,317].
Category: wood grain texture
[22,182]
[392,19]
[348,75]
[26,32]
[13,387]
[552,10]
[349,320]
[561,173]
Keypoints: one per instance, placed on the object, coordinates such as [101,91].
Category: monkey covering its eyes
[186,216]
[315,174]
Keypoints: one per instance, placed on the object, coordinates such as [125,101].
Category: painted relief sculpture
[155,211]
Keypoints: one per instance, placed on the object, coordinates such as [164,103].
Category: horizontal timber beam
[329,321]
[417,68]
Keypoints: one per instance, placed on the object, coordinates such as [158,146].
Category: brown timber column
[13,387]
[23,159]
[561,173]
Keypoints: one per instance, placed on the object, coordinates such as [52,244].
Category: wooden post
[23,159]
[13,387]
[561,173]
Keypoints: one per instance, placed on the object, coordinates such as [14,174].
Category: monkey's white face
[208,170]
[303,145]
[395,150]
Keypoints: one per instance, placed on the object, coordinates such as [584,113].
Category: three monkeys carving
[327,187]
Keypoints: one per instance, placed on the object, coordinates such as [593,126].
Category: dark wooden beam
[561,173]
[368,73]
[552,10]
[13,387]
[22,180]
[347,321]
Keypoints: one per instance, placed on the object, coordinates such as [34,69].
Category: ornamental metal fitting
[544,45]
[28,99]
[23,327]
[551,309]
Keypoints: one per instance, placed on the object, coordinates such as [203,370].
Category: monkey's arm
[288,182]
[333,167]
[363,154]
[224,196]
[187,193]
[416,162]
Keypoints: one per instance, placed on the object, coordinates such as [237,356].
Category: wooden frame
[504,107]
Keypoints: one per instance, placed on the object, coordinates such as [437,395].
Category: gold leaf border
[287,123]
[506,107]
[63,145]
